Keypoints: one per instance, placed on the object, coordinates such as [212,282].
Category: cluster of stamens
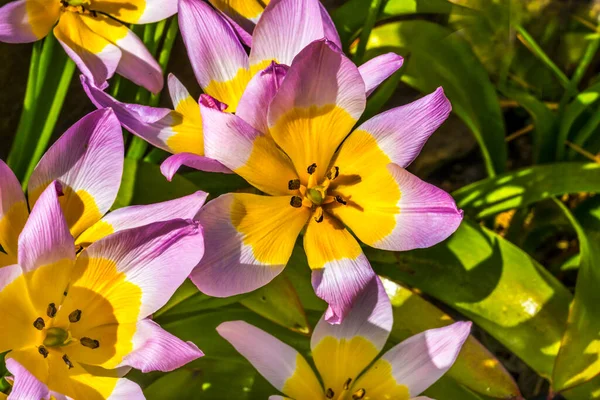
[57,337]
[78,6]
[313,195]
[357,395]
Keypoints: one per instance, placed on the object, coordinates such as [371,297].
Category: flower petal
[135,216]
[254,105]
[88,161]
[416,363]
[26,385]
[25,21]
[96,57]
[329,28]
[401,132]
[171,165]
[249,153]
[136,62]
[279,363]
[219,60]
[166,129]
[340,269]
[388,207]
[13,210]
[379,69]
[251,238]
[136,11]
[155,349]
[343,351]
[244,12]
[284,29]
[320,100]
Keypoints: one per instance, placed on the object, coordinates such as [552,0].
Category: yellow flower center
[77,6]
[347,393]
[315,195]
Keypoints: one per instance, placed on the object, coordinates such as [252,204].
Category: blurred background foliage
[520,154]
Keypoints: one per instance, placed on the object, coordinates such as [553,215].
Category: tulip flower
[320,178]
[92,33]
[74,325]
[87,160]
[345,355]
[224,69]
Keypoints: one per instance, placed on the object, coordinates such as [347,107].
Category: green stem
[51,117]
[587,58]
[17,158]
[374,10]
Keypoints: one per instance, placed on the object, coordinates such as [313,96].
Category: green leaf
[527,186]
[142,183]
[578,360]
[350,17]
[278,302]
[475,368]
[217,184]
[440,58]
[494,284]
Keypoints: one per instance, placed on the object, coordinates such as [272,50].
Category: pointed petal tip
[210,102]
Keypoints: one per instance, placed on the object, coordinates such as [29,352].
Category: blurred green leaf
[438,57]
[278,302]
[448,389]
[350,17]
[578,360]
[475,367]
[217,184]
[527,186]
[143,183]
[493,283]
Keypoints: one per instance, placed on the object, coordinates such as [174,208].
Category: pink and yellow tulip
[345,355]
[73,325]
[87,160]
[224,70]
[92,33]
[296,145]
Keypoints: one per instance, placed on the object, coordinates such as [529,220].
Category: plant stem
[366,31]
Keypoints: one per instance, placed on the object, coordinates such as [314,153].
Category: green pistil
[55,337]
[315,196]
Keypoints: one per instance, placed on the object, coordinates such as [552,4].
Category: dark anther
[333,173]
[51,310]
[91,343]
[340,200]
[330,393]
[359,394]
[65,293]
[319,219]
[347,384]
[294,184]
[75,316]
[67,361]
[311,168]
[296,202]
[64,3]
[39,324]
[42,350]
[94,14]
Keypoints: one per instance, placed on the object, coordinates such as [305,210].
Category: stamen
[39,324]
[51,310]
[43,351]
[340,200]
[359,394]
[294,184]
[347,384]
[319,215]
[311,168]
[329,393]
[333,173]
[91,343]
[296,202]
[67,361]
[75,316]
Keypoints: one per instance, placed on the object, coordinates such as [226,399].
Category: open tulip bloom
[320,178]
[224,70]
[92,33]
[87,160]
[343,355]
[74,324]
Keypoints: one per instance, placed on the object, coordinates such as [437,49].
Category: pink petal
[402,132]
[13,210]
[45,238]
[15,26]
[171,165]
[378,69]
[26,386]
[155,349]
